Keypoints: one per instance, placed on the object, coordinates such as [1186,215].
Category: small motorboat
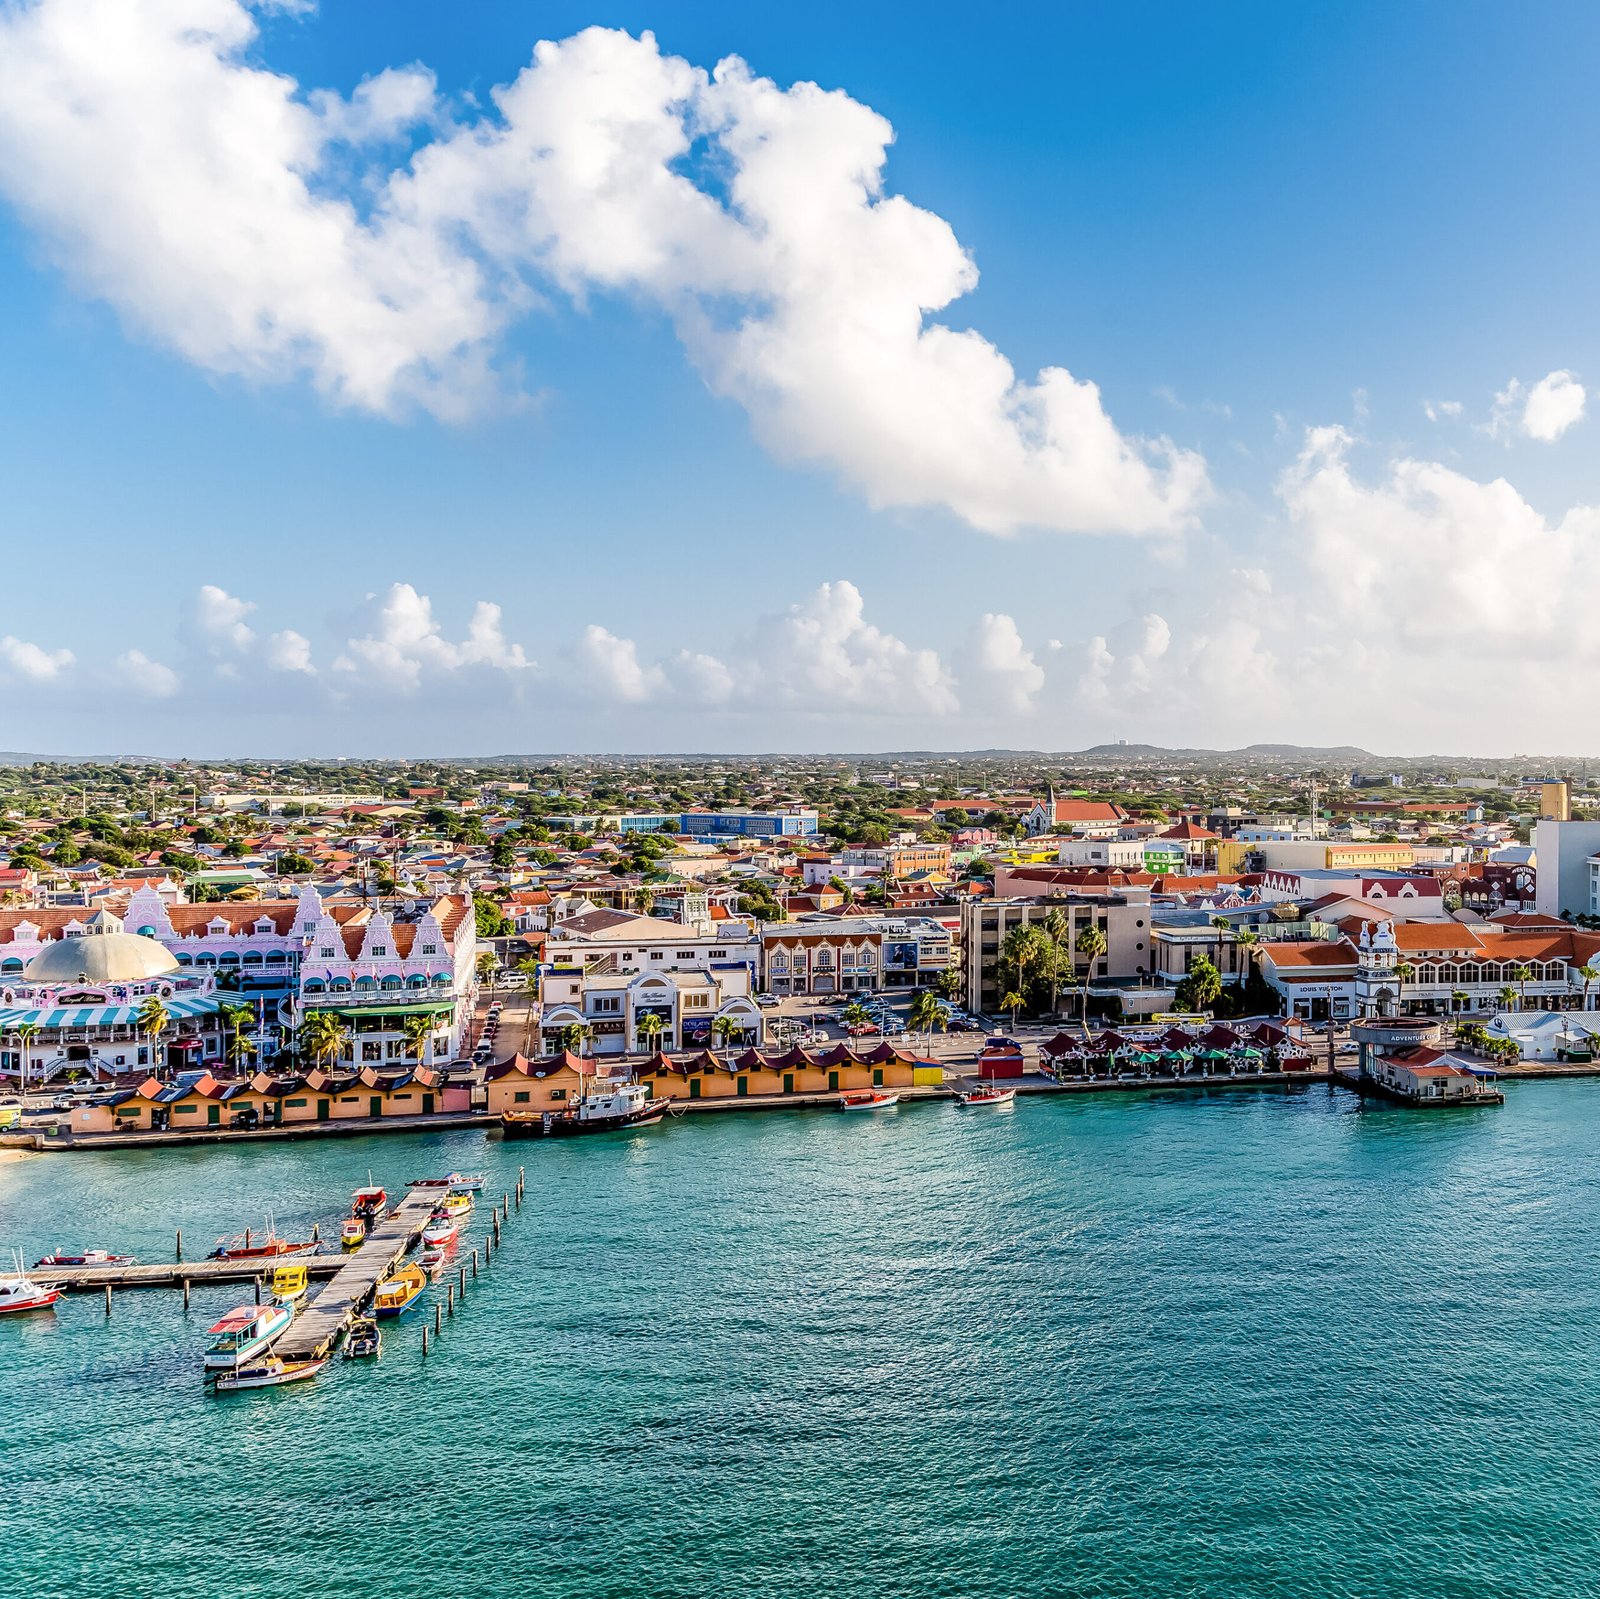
[251,1245]
[289,1282]
[441,1228]
[470,1180]
[369,1203]
[435,1260]
[86,1257]
[396,1296]
[456,1202]
[987,1096]
[364,1341]
[352,1232]
[19,1292]
[628,1105]
[869,1099]
[244,1333]
[268,1372]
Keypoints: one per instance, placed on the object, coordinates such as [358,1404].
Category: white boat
[869,1099]
[439,1231]
[19,1292]
[268,1372]
[987,1096]
[245,1332]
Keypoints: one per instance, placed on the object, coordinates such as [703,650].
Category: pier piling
[178,1252]
[258,1290]
[474,1264]
[461,1282]
[108,1299]
[185,1293]
[438,1319]
[424,1340]
[449,1299]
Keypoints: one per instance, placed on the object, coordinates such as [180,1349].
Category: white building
[1568,878]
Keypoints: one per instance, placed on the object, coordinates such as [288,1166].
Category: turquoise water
[1245,1344]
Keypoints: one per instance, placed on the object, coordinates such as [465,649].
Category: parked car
[768,1001]
[864,1029]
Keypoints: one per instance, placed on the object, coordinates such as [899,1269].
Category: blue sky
[1317,261]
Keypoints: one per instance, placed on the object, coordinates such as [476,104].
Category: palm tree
[1404,971]
[26,1033]
[529,968]
[488,965]
[154,1019]
[417,1030]
[1091,944]
[1057,926]
[926,1013]
[1013,1003]
[854,1014]
[323,1036]
[236,1018]
[649,1028]
[1523,973]
[573,1037]
[1589,974]
[1508,998]
[726,1029]
[1248,944]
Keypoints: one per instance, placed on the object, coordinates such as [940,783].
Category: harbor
[1069,1280]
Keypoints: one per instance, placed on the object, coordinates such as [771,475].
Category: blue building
[793,821]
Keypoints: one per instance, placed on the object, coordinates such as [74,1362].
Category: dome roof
[99,957]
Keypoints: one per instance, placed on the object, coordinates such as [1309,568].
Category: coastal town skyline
[706,378]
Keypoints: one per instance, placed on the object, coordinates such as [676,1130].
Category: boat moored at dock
[625,1105]
[352,1232]
[289,1282]
[987,1094]
[268,1372]
[246,1332]
[86,1257]
[869,1099]
[364,1340]
[396,1295]
[251,1245]
[442,1227]
[18,1292]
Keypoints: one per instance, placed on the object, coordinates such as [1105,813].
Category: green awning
[401,1009]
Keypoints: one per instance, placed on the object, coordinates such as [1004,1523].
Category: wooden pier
[314,1330]
[176,1274]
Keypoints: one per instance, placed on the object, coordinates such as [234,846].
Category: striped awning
[69,1018]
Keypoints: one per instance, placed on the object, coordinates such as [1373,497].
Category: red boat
[869,1099]
[987,1096]
[19,1293]
[369,1203]
[254,1246]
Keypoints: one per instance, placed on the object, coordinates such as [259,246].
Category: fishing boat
[987,1096]
[289,1282]
[268,1372]
[369,1203]
[626,1105]
[364,1341]
[352,1232]
[472,1181]
[86,1257]
[396,1296]
[245,1332]
[19,1292]
[251,1245]
[441,1228]
[869,1099]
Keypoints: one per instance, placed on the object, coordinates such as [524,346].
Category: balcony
[435,995]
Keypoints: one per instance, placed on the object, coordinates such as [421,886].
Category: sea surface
[1231,1344]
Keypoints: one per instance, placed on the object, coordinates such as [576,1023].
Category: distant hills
[1259,752]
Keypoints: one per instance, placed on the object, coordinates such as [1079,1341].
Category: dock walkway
[314,1330]
[174,1274]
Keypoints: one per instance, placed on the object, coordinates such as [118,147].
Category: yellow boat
[288,1282]
[458,1202]
[353,1232]
[396,1296]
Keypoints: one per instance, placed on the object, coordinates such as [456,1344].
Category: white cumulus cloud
[407,645]
[145,677]
[263,230]
[1544,412]
[32,662]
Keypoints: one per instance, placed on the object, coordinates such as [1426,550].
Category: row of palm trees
[1039,948]
[726,1030]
